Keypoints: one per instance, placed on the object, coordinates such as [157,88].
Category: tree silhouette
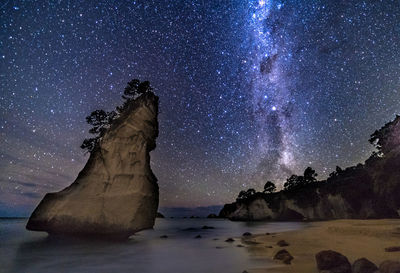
[102,120]
[243,195]
[292,182]
[89,144]
[269,187]
[309,175]
[250,192]
[133,90]
[136,88]
[130,90]
[336,172]
[386,138]
[296,181]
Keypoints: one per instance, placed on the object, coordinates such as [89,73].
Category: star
[249,91]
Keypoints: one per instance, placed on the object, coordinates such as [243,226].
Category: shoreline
[353,238]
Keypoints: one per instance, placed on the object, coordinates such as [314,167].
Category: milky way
[271,87]
[249,90]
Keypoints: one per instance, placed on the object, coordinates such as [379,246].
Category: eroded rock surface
[116,193]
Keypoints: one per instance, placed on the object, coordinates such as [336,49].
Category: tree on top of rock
[388,137]
[243,195]
[310,175]
[335,173]
[134,89]
[101,120]
[293,182]
[269,187]
[298,181]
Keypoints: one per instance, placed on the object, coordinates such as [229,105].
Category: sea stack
[116,193]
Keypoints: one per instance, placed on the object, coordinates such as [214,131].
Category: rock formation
[364,265]
[284,256]
[332,261]
[367,190]
[116,193]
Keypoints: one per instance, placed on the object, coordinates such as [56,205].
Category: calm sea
[145,252]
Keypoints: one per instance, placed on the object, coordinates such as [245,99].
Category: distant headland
[365,191]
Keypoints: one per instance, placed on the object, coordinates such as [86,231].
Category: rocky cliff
[116,193]
[369,190]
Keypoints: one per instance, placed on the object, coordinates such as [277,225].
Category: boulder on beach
[392,249]
[284,256]
[282,243]
[333,262]
[363,265]
[389,267]
[212,215]
[116,193]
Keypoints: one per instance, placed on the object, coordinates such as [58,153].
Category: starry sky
[249,90]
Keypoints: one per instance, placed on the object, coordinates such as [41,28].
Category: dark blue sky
[249,90]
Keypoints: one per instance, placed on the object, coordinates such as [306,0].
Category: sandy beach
[353,238]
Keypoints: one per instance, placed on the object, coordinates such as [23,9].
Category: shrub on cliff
[296,181]
[102,120]
[335,173]
[269,187]
[244,195]
[387,138]
[134,89]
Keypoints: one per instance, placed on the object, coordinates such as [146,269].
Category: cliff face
[363,191]
[116,193]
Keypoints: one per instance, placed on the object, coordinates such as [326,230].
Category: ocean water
[145,252]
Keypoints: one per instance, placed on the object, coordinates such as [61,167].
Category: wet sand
[353,238]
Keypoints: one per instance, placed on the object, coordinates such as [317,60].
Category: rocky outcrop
[364,191]
[116,193]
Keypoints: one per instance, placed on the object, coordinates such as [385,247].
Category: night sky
[249,90]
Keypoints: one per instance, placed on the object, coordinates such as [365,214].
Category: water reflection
[144,252]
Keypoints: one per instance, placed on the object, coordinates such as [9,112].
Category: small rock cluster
[284,256]
[329,261]
[282,243]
